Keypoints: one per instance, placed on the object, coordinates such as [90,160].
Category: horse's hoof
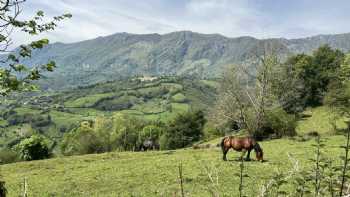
[247,159]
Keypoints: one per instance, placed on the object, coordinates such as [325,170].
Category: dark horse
[241,144]
[149,145]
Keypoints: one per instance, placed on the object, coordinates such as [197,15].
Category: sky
[231,18]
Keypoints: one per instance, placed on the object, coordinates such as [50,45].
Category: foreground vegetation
[156,173]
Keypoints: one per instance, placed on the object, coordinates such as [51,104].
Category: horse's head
[258,152]
[260,155]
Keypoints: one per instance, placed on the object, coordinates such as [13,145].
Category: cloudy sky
[232,18]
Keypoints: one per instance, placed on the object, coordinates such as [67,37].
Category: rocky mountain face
[178,53]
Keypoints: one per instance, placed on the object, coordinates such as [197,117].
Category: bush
[34,148]
[8,156]
[183,130]
[82,140]
[152,132]
[278,123]
[102,135]
[34,119]
[126,132]
[41,121]
[210,131]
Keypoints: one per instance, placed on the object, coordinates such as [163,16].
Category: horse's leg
[224,151]
[243,153]
[248,155]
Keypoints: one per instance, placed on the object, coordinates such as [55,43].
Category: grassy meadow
[155,173]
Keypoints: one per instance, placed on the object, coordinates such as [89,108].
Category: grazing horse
[241,144]
[149,145]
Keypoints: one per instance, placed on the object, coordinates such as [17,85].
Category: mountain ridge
[176,53]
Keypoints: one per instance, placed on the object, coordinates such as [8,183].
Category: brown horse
[241,144]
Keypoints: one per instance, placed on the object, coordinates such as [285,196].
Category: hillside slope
[153,99]
[178,53]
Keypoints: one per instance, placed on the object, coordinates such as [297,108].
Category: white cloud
[259,18]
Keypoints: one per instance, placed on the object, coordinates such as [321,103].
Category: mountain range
[178,53]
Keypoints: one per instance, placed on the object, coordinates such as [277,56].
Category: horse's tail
[222,143]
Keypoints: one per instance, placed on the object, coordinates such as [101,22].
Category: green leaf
[12,57]
[19,67]
[39,44]
[34,75]
[50,66]
[68,15]
[25,51]
[40,13]
[2,38]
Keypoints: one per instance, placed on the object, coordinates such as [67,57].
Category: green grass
[211,83]
[63,118]
[180,107]
[178,98]
[3,122]
[25,110]
[87,101]
[161,99]
[154,106]
[156,173]
[319,121]
[131,112]
[175,86]
[88,112]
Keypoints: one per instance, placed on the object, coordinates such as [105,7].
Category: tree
[152,132]
[290,87]
[307,78]
[338,95]
[126,131]
[81,140]
[185,129]
[246,92]
[34,148]
[103,134]
[14,75]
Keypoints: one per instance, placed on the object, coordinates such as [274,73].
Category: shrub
[278,123]
[33,148]
[41,121]
[126,132]
[120,132]
[152,132]
[114,104]
[210,131]
[82,140]
[183,130]
[34,119]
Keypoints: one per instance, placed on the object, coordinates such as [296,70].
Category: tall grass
[346,160]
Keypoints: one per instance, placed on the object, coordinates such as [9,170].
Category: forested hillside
[180,53]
